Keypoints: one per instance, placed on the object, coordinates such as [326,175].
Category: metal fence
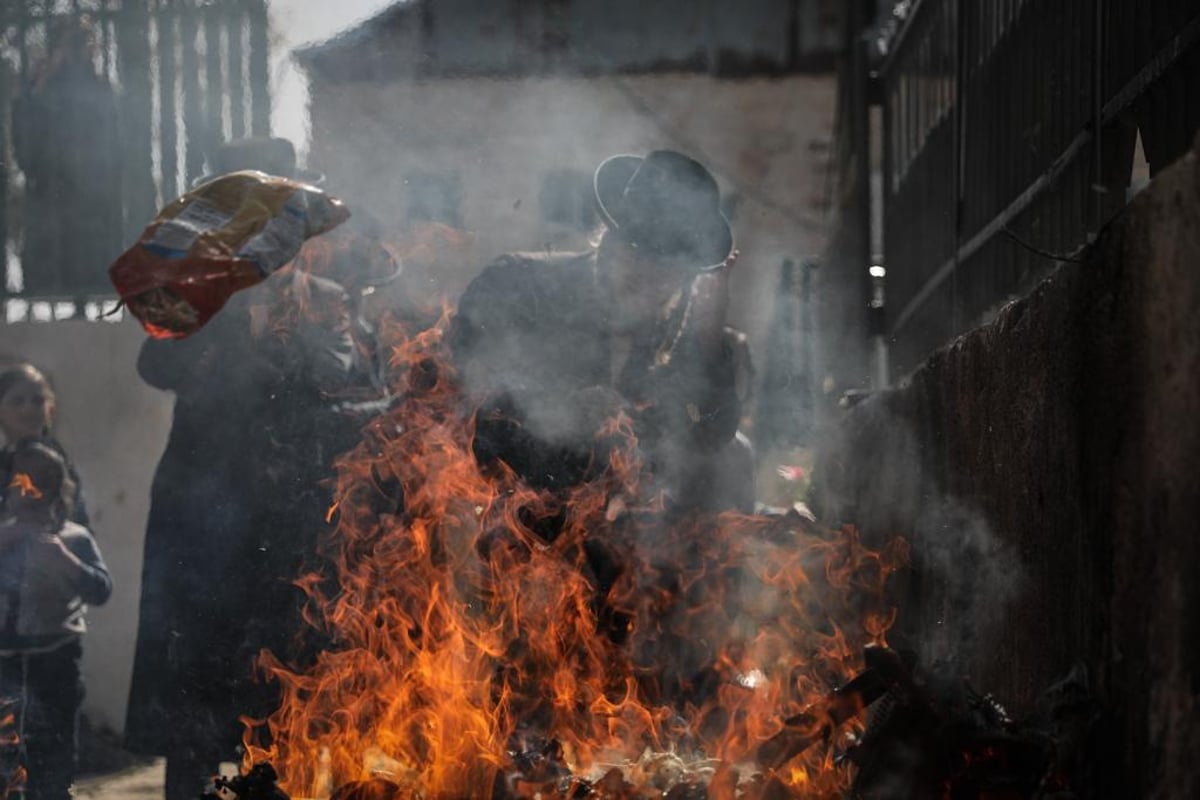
[180,76]
[1009,130]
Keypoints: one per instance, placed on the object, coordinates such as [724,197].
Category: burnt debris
[931,734]
[260,783]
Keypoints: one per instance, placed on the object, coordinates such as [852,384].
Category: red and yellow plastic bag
[223,236]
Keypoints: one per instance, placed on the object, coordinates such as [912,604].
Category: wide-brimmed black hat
[273,155]
[667,205]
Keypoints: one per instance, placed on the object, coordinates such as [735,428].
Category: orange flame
[462,634]
[12,772]
[24,484]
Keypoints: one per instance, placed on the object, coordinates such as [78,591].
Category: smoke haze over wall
[293,23]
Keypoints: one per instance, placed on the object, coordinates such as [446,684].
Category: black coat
[533,345]
[235,495]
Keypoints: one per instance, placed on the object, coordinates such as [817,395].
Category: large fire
[473,656]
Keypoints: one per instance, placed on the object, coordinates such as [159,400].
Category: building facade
[489,117]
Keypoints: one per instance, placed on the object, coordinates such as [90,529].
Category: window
[566,199]
[434,197]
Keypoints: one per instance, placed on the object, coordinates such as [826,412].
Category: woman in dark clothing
[199,507]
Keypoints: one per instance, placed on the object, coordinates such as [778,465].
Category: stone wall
[1046,468]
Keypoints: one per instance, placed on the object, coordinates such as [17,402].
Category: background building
[490,117]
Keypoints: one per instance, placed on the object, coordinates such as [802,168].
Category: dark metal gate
[1009,130]
[180,75]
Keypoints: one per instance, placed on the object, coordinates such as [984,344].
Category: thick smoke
[973,573]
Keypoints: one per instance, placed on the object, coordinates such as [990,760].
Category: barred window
[434,197]
[566,199]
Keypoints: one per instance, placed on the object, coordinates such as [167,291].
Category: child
[50,568]
[26,412]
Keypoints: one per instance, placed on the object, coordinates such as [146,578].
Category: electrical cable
[1007,231]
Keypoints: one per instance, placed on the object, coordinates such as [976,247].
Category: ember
[12,775]
[932,735]
[475,654]
[260,783]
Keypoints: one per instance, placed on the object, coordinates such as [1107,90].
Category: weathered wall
[114,427]
[1050,460]
[765,139]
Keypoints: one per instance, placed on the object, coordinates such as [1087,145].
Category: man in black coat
[250,387]
[550,346]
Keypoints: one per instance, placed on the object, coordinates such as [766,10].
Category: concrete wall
[1046,468]
[765,139]
[115,428]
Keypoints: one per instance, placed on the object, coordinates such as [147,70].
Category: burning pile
[475,648]
[12,775]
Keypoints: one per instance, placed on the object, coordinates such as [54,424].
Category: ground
[141,782]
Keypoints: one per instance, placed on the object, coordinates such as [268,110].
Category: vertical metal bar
[133,41]
[918,79]
[168,139]
[1049,114]
[214,95]
[5,103]
[76,158]
[235,69]
[1081,75]
[194,134]
[23,45]
[1064,110]
[1095,206]
[1114,69]
[960,149]
[1080,72]
[1014,166]
[104,20]
[862,138]
[1174,95]
[982,141]
[1025,51]
[902,122]
[969,25]
[1143,47]
[260,95]
[1022,56]
[910,88]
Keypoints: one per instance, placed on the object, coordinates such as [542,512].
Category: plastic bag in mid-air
[223,236]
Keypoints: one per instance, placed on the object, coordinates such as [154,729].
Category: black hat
[667,205]
[273,155]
